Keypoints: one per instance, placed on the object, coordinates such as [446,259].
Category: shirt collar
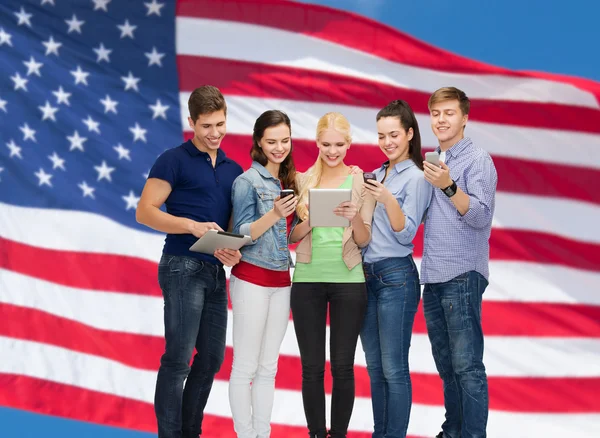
[456,148]
[262,170]
[194,151]
[402,165]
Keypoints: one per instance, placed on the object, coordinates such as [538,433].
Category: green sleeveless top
[327,265]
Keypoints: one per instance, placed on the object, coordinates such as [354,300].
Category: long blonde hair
[312,177]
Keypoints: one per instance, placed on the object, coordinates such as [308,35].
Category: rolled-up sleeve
[244,206]
[480,181]
[416,201]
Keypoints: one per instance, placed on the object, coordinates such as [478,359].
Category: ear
[191,122]
[410,134]
[465,119]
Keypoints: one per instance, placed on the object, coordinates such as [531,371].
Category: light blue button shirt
[405,181]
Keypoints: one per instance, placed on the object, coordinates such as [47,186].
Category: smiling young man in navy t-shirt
[194,180]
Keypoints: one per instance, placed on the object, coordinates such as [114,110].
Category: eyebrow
[391,132]
[275,139]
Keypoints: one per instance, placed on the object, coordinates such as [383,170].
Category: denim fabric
[453,316]
[252,196]
[195,315]
[393,293]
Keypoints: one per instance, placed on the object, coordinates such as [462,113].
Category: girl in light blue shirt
[392,279]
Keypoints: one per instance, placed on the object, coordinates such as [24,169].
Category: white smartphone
[433,158]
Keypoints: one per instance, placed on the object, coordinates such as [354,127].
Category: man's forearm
[164,222]
[461,201]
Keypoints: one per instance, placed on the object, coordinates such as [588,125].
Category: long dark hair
[402,110]
[287,169]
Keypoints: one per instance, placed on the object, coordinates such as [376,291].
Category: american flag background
[92,91]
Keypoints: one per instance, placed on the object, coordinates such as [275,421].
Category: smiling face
[209,130]
[333,147]
[393,139]
[276,143]
[447,122]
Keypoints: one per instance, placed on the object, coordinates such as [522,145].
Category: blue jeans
[393,297]
[195,316]
[453,316]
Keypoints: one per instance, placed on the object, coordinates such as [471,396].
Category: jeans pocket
[455,303]
[393,277]
[192,266]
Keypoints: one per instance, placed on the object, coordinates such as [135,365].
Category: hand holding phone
[286,204]
[285,192]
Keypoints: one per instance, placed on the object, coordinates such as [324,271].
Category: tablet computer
[321,203]
[213,240]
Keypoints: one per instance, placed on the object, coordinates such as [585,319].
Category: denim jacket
[252,196]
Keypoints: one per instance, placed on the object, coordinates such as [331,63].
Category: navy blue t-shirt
[200,192]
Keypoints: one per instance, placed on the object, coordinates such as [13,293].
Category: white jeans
[260,319]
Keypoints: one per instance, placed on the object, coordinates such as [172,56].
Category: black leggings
[347,305]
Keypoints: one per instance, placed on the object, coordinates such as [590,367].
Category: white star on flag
[15,150]
[3,105]
[57,162]
[23,17]
[130,82]
[20,82]
[87,190]
[51,46]
[101,4]
[80,76]
[103,53]
[28,133]
[126,29]
[154,57]
[123,153]
[33,67]
[48,111]
[159,110]
[92,125]
[104,171]
[74,24]
[154,8]
[109,105]
[44,178]
[138,133]
[48,1]
[76,141]
[62,96]
[5,38]
[131,200]
[1,170]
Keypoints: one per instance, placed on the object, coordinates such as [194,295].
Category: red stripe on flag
[105,272]
[258,80]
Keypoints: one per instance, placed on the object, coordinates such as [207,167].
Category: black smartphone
[285,192]
[369,176]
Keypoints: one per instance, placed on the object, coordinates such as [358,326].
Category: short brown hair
[206,100]
[450,93]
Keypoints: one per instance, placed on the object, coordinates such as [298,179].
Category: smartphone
[285,192]
[433,158]
[369,176]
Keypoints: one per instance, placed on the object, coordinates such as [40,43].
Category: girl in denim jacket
[260,284]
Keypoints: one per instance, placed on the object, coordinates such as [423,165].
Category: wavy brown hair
[287,169]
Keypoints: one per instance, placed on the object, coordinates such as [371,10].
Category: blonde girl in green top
[329,274]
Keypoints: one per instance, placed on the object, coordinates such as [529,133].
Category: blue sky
[546,35]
